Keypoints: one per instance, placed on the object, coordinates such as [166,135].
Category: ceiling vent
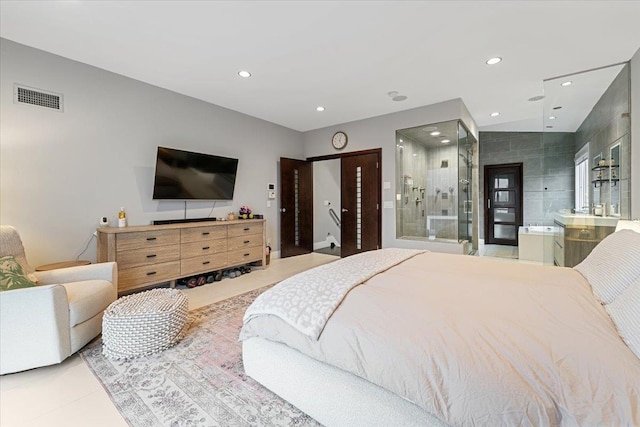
[38,97]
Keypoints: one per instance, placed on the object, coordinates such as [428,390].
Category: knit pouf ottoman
[144,323]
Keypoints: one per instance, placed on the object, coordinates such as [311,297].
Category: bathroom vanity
[576,235]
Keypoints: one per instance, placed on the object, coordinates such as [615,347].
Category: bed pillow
[625,313]
[612,265]
[12,276]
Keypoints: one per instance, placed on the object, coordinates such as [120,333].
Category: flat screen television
[184,175]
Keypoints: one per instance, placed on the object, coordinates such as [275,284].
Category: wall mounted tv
[184,175]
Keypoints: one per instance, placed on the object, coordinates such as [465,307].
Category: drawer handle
[152,256]
[149,239]
[205,233]
[151,273]
[206,262]
[247,254]
[205,248]
[247,229]
[247,241]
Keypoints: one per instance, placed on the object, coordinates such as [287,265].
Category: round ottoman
[144,323]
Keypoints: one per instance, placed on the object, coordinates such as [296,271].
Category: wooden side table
[63,264]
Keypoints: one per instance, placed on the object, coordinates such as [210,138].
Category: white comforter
[480,342]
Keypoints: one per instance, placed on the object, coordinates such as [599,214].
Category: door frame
[378,153]
[520,217]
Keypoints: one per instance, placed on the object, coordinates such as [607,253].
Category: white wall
[326,187]
[60,172]
[635,135]
[379,132]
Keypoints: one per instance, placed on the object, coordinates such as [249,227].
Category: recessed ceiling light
[549,127]
[494,61]
[557,108]
[399,98]
[444,141]
[552,117]
[429,128]
[567,83]
[319,108]
[243,73]
[434,133]
[536,98]
[495,114]
[414,154]
[401,141]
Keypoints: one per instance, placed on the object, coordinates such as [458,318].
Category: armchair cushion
[87,298]
[12,276]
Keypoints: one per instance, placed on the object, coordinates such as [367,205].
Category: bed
[404,337]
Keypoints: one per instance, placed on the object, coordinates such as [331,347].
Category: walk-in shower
[434,176]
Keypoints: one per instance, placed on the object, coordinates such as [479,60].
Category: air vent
[38,97]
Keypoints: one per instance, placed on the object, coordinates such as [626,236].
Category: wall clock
[339,140]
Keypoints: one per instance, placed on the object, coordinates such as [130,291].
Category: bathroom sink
[585,219]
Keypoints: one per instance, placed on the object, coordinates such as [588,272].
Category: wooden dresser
[152,254]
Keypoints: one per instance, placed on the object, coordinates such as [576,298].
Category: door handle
[345,210]
[283,210]
[488,203]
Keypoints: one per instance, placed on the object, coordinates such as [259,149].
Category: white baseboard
[326,243]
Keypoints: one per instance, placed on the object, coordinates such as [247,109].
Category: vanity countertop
[585,220]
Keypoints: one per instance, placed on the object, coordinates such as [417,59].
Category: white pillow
[625,313]
[612,265]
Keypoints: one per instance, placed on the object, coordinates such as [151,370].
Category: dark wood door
[296,207]
[360,199]
[503,203]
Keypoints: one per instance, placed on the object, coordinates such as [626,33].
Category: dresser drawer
[201,234]
[246,255]
[558,254]
[247,241]
[137,277]
[245,229]
[145,239]
[147,256]
[203,263]
[209,247]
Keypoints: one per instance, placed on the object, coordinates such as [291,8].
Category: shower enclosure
[434,176]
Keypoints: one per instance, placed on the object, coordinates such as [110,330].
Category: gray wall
[606,125]
[635,135]
[547,168]
[60,172]
[326,186]
[379,132]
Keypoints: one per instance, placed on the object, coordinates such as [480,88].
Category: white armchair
[45,324]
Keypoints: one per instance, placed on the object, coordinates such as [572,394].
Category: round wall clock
[339,140]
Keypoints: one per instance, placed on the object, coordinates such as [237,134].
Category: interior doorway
[503,203]
[358,211]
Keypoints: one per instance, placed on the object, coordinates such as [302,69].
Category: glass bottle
[122,218]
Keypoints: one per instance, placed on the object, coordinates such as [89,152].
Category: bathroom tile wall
[547,169]
[608,124]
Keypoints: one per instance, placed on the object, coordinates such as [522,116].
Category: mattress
[477,341]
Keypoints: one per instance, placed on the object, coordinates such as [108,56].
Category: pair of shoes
[245,269]
[192,282]
[217,276]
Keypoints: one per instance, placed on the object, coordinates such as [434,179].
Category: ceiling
[344,55]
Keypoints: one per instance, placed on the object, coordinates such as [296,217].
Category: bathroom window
[582,179]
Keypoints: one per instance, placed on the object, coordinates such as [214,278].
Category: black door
[360,199]
[503,203]
[296,207]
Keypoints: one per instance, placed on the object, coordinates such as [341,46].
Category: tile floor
[69,395]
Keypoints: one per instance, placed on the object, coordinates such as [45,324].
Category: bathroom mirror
[614,174]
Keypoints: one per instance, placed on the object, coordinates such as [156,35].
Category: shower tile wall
[548,169]
[411,221]
[442,191]
[423,196]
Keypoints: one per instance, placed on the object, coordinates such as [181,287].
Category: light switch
[386,185]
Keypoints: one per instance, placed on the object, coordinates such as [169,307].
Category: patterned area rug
[199,382]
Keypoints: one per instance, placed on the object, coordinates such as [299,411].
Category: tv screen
[185,175]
